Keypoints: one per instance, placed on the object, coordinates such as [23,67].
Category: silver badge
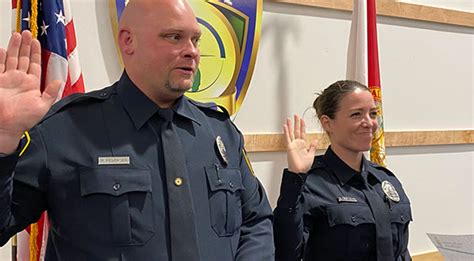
[390,191]
[221,148]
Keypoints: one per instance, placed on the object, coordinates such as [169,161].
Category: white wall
[427,84]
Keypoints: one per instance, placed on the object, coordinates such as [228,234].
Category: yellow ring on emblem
[218,52]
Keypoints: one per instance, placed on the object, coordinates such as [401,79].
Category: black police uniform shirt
[324,215]
[119,211]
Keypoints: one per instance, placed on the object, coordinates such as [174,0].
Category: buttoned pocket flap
[224,179]
[349,214]
[400,213]
[114,181]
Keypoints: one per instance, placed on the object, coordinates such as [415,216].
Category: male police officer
[135,171]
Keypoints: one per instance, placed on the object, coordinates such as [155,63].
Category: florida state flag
[363,65]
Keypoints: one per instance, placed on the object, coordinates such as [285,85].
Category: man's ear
[326,123]
[125,41]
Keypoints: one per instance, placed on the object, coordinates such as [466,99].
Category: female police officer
[340,206]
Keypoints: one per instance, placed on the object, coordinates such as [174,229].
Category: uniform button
[103,94]
[290,210]
[402,217]
[178,182]
[231,184]
[353,218]
[116,186]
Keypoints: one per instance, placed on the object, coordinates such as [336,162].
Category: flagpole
[14,247]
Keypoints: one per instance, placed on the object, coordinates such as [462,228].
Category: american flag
[51,22]
[55,31]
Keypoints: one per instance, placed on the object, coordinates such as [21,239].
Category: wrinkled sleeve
[256,236]
[22,186]
[288,221]
[405,254]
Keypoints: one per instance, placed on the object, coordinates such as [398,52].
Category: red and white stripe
[23,241]
[68,71]
[55,67]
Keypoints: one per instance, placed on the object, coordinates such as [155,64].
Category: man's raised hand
[22,104]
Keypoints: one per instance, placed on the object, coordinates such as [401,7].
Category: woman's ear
[326,123]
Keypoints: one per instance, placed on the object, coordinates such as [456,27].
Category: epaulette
[75,98]
[382,168]
[318,163]
[210,106]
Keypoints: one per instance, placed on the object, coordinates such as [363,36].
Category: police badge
[390,191]
[229,43]
[222,151]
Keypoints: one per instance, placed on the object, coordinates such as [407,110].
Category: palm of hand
[21,104]
[300,158]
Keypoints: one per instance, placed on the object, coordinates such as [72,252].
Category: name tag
[125,160]
[346,199]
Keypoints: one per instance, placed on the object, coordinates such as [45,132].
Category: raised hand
[300,156]
[22,104]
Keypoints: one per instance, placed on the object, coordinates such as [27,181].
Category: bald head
[158,42]
[137,12]
[139,15]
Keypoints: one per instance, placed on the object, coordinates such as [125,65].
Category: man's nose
[191,49]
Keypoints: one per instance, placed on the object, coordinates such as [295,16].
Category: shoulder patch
[25,142]
[249,165]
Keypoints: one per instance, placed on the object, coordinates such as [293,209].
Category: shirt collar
[185,108]
[140,108]
[377,174]
[344,173]
[341,170]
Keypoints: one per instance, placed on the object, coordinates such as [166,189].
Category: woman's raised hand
[300,156]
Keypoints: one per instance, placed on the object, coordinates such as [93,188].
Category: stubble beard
[177,88]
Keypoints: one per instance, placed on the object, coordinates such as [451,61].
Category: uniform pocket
[124,197]
[349,214]
[400,213]
[225,186]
